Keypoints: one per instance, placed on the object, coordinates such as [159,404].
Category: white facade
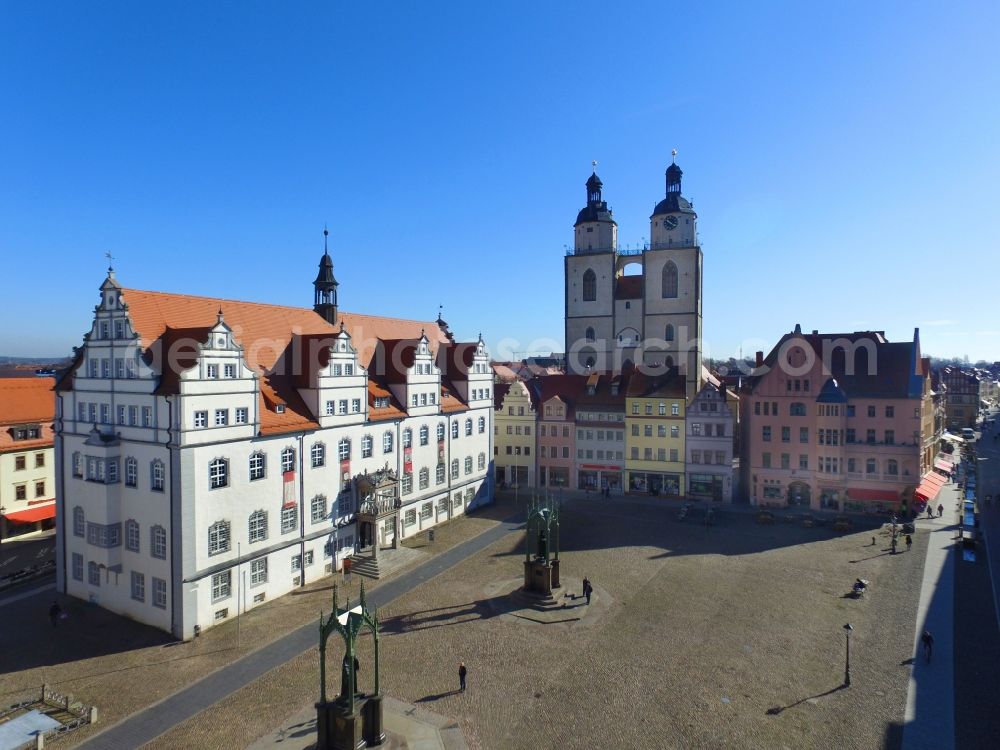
[710,425]
[181,501]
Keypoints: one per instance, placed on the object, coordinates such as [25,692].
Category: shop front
[831,498]
[706,487]
[599,477]
[655,483]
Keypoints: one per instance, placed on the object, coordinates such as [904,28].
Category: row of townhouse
[213,455]
[633,432]
[845,422]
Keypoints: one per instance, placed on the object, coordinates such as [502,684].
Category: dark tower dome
[597,208]
[325,286]
[674,202]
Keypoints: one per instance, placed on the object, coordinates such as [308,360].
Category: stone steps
[365,566]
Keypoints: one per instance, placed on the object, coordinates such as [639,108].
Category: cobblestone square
[723,636]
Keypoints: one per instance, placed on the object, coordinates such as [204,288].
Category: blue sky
[841,157]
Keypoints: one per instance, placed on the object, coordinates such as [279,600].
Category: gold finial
[594,165]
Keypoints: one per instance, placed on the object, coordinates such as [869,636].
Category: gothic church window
[669,280]
[590,286]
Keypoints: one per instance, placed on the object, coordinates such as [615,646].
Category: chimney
[815,332]
[759,359]
[798,328]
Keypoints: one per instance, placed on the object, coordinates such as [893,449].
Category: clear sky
[842,157]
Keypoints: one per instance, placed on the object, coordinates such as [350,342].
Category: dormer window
[279,408]
[119,329]
[348,369]
[212,371]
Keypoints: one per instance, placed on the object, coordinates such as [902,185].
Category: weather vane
[673,154]
[594,164]
[110,258]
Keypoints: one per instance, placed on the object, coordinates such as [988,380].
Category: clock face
[670,222]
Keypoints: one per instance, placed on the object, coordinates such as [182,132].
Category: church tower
[325,285]
[590,281]
[672,270]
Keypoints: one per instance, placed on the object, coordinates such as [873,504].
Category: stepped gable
[272,337]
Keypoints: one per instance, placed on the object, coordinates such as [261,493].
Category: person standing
[928,641]
[892,546]
[909,542]
[54,612]
[940,510]
[587,589]
[462,672]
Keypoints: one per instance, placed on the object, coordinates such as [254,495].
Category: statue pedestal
[374,727]
[541,577]
[339,729]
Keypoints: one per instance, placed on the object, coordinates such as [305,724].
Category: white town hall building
[212,455]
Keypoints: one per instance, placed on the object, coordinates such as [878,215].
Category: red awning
[934,478]
[32,514]
[930,486]
[880,495]
[943,465]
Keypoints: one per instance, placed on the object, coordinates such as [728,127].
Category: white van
[968,434]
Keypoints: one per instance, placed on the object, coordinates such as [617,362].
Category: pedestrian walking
[54,612]
[892,546]
[873,541]
[909,542]
[587,589]
[928,641]
[462,672]
[940,510]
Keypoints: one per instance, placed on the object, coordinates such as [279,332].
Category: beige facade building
[515,439]
[27,466]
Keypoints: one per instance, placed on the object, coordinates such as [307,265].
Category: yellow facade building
[654,433]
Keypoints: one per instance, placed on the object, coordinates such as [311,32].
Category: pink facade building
[556,444]
[837,421]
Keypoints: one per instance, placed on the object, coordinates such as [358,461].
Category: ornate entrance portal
[378,510]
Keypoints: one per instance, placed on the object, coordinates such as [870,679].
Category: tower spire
[325,285]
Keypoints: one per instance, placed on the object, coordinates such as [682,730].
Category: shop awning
[878,495]
[929,487]
[32,514]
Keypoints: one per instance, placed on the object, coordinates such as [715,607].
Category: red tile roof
[266,333]
[25,401]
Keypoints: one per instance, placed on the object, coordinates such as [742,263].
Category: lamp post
[847,665]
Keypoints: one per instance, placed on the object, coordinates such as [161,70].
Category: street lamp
[847,666]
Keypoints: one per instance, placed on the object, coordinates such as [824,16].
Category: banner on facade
[289,500]
[407,460]
[345,472]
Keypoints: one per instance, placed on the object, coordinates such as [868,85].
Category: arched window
[425,434]
[258,465]
[218,537]
[482,425]
[287,459]
[468,464]
[440,431]
[871,466]
[132,535]
[482,461]
[366,446]
[344,449]
[79,522]
[669,362]
[590,286]
[589,363]
[669,280]
[892,467]
[668,335]
[468,426]
[424,478]
[454,468]
[590,335]
[257,529]
[407,437]
[77,464]
[454,430]
[387,442]
[318,455]
[131,472]
[218,473]
[158,542]
[156,475]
